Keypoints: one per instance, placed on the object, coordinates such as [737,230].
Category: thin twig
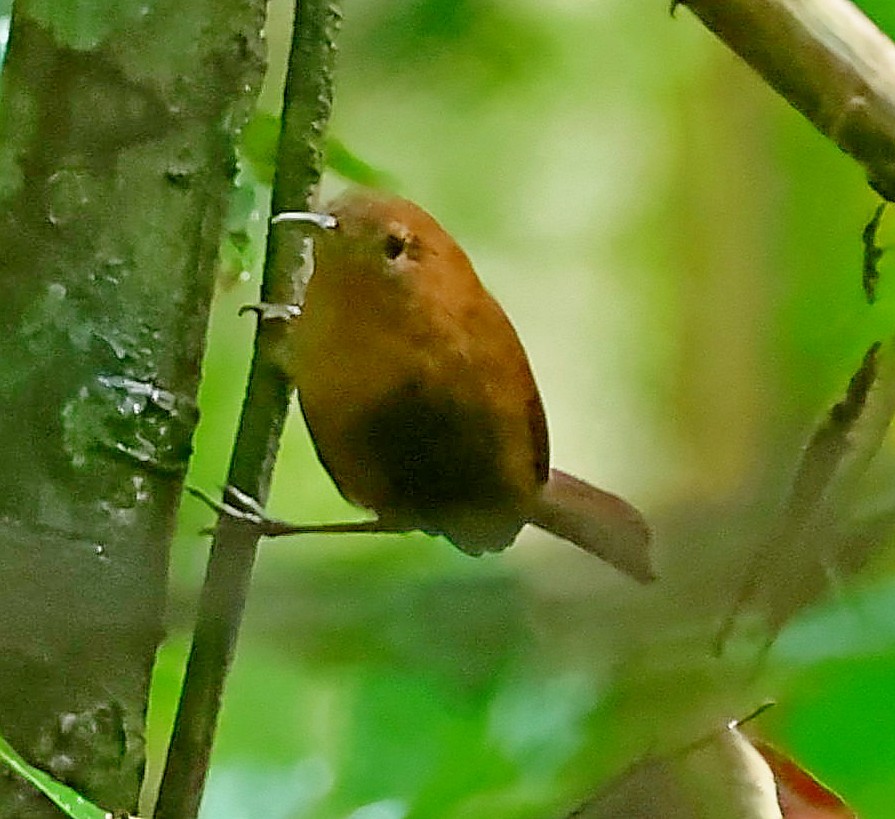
[832,464]
[872,254]
[828,60]
[307,104]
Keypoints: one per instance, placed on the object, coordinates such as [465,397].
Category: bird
[419,396]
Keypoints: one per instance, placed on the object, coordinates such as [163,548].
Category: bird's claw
[244,502]
[237,505]
[269,311]
[243,508]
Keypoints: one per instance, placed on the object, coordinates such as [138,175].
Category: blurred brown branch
[815,535]
[828,60]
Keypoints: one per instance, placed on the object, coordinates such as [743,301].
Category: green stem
[307,103]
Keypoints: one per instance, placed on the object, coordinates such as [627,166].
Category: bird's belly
[411,425]
[433,450]
[419,444]
[402,439]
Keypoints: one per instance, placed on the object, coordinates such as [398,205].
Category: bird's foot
[323,221]
[235,505]
[268,311]
[242,507]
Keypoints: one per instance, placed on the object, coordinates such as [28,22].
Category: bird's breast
[412,412]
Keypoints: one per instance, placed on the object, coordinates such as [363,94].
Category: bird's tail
[597,521]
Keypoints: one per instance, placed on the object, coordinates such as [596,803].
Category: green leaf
[258,149]
[351,167]
[258,146]
[74,805]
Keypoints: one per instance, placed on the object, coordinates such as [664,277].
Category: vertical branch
[307,102]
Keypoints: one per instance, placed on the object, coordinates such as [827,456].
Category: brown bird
[419,396]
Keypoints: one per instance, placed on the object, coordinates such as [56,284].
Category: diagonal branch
[815,520]
[828,60]
[307,103]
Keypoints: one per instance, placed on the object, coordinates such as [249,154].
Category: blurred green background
[680,253]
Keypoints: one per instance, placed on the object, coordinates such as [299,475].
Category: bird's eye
[394,246]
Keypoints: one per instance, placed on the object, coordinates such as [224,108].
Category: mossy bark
[116,131]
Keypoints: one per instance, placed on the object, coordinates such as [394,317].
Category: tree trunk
[116,137]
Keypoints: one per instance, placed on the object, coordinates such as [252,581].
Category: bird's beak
[324,221]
